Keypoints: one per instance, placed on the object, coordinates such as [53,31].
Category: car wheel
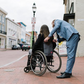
[22,49]
[25,49]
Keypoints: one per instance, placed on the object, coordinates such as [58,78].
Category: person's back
[63,29]
[47,48]
[44,31]
[39,43]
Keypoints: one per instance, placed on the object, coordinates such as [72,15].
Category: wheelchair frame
[38,60]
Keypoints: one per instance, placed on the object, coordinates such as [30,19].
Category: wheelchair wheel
[38,63]
[55,65]
[27,69]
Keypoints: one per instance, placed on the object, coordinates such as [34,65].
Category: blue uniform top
[63,29]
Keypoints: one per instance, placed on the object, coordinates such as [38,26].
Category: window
[71,21]
[0,42]
[2,18]
[0,26]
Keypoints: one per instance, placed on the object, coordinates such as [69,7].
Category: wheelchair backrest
[48,49]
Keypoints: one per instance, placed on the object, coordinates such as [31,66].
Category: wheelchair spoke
[38,61]
[55,64]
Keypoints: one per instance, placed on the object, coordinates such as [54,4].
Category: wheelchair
[39,64]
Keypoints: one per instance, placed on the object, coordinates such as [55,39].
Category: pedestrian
[39,44]
[67,32]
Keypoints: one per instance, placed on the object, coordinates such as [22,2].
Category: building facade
[3,30]
[23,31]
[19,34]
[11,33]
[28,37]
[74,14]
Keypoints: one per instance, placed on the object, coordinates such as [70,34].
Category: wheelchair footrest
[50,65]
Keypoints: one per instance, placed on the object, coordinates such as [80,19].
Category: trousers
[71,44]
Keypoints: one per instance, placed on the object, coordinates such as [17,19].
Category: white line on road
[13,61]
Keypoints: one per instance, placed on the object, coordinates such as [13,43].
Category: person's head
[44,30]
[53,23]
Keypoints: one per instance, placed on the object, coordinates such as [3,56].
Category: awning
[69,16]
[12,39]
[23,40]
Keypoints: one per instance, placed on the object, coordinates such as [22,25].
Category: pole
[33,23]
[33,31]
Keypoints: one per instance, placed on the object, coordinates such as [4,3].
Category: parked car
[16,47]
[25,47]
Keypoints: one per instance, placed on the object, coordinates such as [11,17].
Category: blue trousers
[71,52]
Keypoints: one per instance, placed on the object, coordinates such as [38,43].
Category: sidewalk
[14,74]
[2,49]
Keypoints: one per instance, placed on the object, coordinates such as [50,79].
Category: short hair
[53,20]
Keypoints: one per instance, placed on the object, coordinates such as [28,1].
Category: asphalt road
[10,56]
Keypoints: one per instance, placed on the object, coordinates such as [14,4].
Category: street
[13,71]
[9,56]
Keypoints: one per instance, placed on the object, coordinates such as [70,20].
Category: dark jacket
[39,43]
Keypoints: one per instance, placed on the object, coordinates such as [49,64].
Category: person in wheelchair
[40,45]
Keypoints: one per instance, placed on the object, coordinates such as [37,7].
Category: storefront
[10,42]
[2,42]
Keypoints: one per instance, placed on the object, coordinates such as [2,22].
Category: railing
[71,8]
[3,32]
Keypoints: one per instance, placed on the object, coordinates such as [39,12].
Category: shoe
[65,72]
[64,75]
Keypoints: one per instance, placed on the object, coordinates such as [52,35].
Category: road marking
[9,70]
[13,61]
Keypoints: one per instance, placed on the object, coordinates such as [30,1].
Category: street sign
[33,20]
[33,26]
[62,48]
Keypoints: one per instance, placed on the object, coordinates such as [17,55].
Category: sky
[21,11]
